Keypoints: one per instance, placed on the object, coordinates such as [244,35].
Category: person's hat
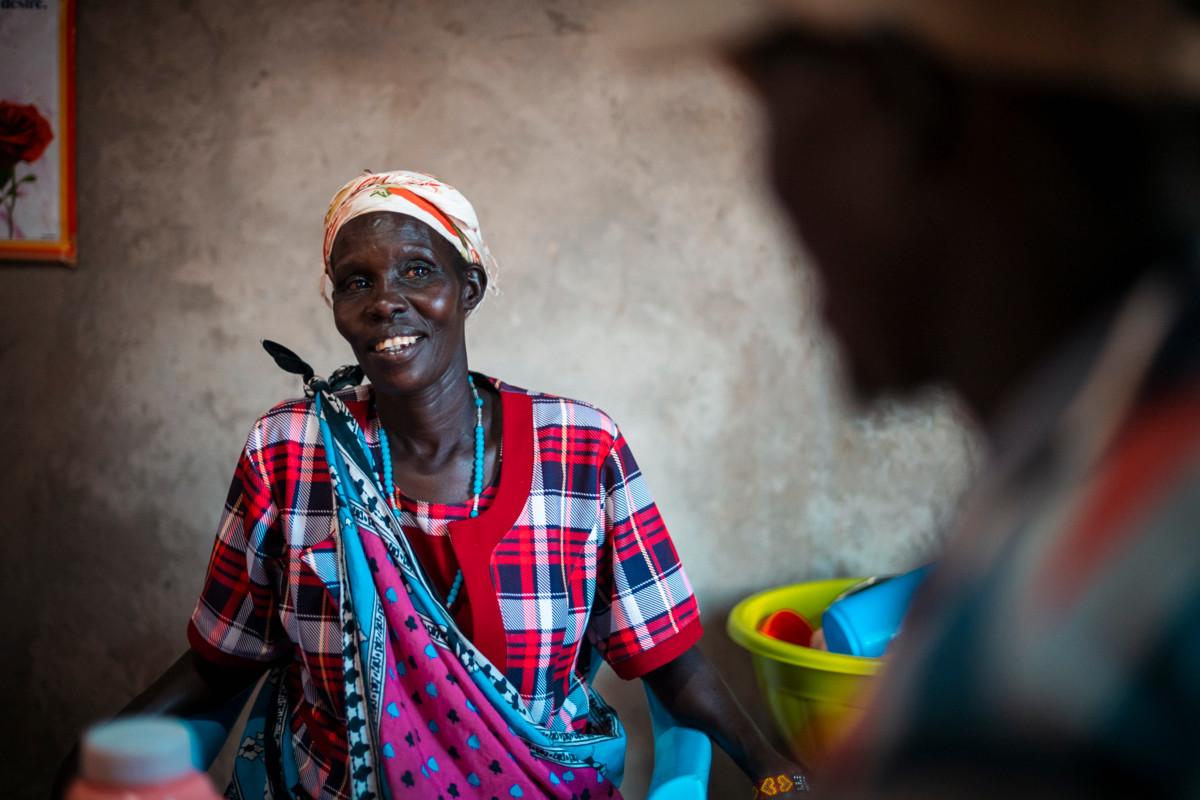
[1138,46]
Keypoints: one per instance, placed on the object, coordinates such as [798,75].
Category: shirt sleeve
[645,613]
[237,617]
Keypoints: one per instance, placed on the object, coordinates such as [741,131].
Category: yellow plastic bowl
[815,697]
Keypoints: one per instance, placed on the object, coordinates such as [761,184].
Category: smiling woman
[432,566]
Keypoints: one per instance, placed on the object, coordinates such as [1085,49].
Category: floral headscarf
[437,204]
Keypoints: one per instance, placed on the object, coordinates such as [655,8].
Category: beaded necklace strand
[476,479]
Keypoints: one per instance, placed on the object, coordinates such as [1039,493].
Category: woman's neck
[433,424]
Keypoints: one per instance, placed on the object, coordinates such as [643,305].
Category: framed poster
[37,130]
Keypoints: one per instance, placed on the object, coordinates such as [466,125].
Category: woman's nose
[389,303]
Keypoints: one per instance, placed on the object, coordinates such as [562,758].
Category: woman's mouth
[396,345]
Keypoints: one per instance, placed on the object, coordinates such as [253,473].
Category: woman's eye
[417,269]
[353,283]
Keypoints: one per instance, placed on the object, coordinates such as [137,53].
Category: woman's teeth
[396,343]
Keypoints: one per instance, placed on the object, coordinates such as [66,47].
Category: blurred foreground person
[1001,196]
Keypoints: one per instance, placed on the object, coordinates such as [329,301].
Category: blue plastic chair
[682,756]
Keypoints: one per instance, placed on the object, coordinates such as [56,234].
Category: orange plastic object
[787,626]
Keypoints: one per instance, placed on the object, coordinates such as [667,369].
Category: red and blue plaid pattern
[587,568]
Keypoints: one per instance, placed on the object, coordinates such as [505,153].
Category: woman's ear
[475,283]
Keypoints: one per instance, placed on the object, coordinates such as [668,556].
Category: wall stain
[197,298]
[564,25]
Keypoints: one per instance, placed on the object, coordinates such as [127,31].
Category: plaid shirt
[570,559]
[427,528]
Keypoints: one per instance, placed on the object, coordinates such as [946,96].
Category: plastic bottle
[139,758]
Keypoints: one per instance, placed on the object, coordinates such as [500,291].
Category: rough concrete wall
[643,270]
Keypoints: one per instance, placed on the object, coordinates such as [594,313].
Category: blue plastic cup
[863,623]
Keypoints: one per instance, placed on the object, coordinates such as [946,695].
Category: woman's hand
[697,696]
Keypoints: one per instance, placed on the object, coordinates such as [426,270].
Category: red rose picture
[24,136]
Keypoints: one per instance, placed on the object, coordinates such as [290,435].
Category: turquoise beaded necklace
[476,478]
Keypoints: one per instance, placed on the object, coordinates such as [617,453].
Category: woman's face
[401,300]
